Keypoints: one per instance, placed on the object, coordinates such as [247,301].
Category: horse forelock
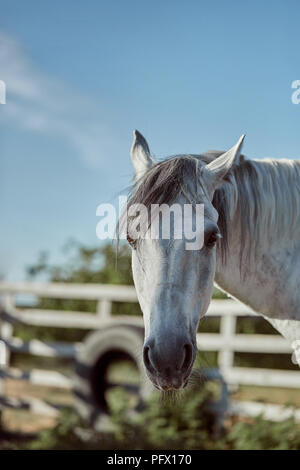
[178,175]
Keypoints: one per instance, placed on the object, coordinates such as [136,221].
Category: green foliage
[166,423]
[169,423]
[267,361]
[62,436]
[182,423]
[103,264]
[261,435]
[218,294]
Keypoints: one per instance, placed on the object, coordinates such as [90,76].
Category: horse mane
[263,195]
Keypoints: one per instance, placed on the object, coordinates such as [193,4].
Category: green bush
[262,435]
[164,423]
[169,423]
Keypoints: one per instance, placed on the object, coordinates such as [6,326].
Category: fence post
[227,332]
[104,309]
[6,330]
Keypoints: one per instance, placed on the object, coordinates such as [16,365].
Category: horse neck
[268,242]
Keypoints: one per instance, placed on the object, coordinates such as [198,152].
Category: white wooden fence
[226,342]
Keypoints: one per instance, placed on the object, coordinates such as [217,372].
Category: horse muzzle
[169,361]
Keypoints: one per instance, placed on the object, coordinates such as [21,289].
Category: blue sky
[80,76]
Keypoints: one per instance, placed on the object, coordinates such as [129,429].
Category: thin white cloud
[38,103]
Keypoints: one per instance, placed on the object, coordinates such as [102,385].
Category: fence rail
[227,342]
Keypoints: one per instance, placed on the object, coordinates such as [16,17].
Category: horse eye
[131,242]
[212,238]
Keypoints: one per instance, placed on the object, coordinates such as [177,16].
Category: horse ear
[140,155]
[216,170]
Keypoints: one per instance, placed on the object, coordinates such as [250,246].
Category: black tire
[99,350]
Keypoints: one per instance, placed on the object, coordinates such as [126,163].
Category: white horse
[251,249]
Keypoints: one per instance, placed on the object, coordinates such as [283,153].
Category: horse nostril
[188,355]
[147,360]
